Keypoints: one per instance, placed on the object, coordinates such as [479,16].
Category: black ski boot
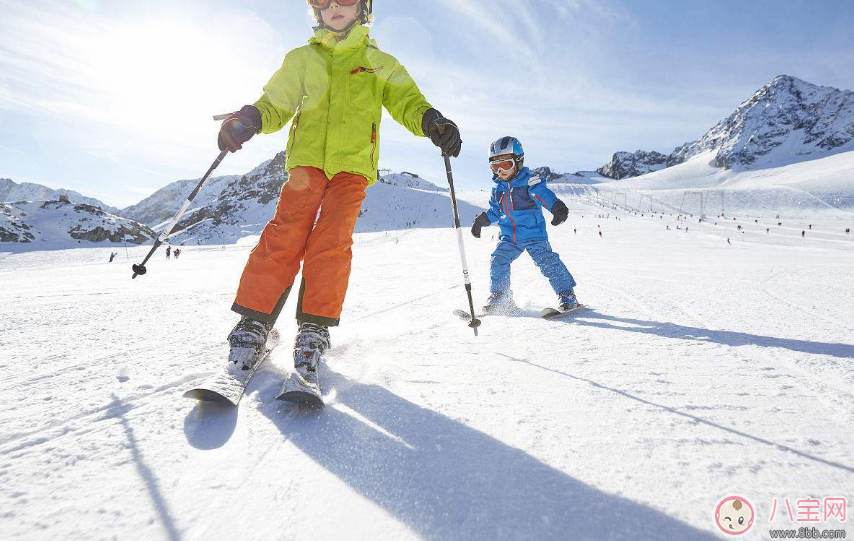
[248,340]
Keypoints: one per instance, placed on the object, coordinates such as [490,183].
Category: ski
[552,313]
[302,389]
[227,388]
[462,314]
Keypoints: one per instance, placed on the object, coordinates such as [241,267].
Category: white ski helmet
[508,146]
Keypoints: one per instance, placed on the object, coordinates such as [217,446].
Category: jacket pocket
[362,86]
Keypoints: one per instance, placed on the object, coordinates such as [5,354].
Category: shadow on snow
[694,418]
[446,480]
[591,318]
[118,409]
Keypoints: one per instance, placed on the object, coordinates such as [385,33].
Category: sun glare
[156,71]
[160,73]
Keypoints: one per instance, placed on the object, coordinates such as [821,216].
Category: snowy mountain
[165,202]
[579,177]
[11,191]
[628,164]
[410,180]
[785,122]
[58,223]
[245,205]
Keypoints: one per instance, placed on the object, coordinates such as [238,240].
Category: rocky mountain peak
[633,164]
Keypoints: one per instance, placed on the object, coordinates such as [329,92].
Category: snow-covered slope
[56,224]
[11,192]
[786,121]
[821,183]
[703,370]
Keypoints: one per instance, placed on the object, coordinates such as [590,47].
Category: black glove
[560,212]
[479,223]
[443,132]
[238,128]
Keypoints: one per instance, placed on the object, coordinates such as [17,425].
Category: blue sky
[114,98]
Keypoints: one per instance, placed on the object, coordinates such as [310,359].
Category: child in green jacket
[332,91]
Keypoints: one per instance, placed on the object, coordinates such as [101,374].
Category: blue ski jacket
[516,206]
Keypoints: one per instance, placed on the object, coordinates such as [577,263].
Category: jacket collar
[521,179]
[356,38]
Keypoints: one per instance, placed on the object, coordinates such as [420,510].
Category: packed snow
[715,359]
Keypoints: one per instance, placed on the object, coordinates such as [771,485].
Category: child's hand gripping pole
[474,323]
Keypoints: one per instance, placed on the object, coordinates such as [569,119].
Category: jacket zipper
[508,202]
[373,142]
[294,136]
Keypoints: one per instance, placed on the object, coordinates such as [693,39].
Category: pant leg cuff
[258,316]
[261,316]
[318,320]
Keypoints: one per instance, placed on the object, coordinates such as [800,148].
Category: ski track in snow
[701,370]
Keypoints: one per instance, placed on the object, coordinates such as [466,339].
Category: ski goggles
[501,165]
[324,4]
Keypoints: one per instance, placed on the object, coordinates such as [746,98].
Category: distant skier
[516,204]
[600,234]
[728,242]
[334,88]
[168,252]
[177,253]
[112,256]
[803,234]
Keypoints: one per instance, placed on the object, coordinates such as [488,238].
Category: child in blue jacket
[516,202]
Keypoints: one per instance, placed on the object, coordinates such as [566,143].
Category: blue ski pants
[541,252]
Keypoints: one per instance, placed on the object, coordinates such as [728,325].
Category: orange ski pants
[293,236]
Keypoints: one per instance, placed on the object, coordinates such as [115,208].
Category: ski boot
[303,385]
[567,301]
[248,342]
[311,343]
[501,303]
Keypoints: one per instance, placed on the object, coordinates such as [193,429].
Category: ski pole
[475,323]
[139,270]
